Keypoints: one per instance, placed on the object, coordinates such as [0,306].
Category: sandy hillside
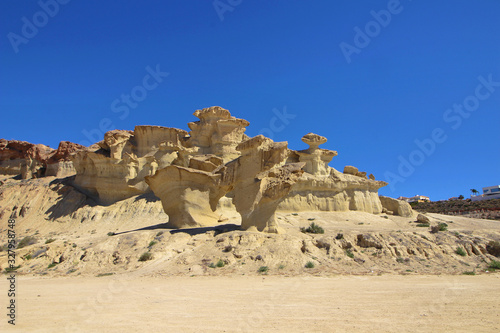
[365,272]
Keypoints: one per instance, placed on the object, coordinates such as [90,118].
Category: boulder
[350,170]
[361,174]
[398,207]
[423,219]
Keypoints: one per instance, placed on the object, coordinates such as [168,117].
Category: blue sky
[406,90]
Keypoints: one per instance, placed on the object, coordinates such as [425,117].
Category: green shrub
[263,269]
[152,243]
[469,273]
[460,251]
[349,253]
[309,264]
[104,274]
[494,264]
[220,263]
[313,229]
[339,236]
[281,266]
[423,225]
[12,269]
[26,241]
[111,233]
[52,265]
[50,240]
[443,227]
[212,265]
[146,256]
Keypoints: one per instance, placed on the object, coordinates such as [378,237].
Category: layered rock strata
[191,171]
[322,188]
[35,160]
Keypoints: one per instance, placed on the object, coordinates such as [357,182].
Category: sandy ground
[128,303]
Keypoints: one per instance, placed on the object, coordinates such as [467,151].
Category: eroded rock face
[260,181]
[322,188]
[157,138]
[316,160]
[217,132]
[191,172]
[59,164]
[189,196]
[257,181]
[115,168]
[397,207]
[35,160]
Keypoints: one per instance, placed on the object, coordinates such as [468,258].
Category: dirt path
[388,303]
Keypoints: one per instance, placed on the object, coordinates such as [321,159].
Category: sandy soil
[127,303]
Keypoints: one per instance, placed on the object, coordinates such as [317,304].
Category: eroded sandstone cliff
[191,171]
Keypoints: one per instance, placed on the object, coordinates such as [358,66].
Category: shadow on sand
[219,229]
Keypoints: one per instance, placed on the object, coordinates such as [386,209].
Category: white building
[417,198]
[490,192]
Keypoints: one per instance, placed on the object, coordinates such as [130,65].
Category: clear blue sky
[329,67]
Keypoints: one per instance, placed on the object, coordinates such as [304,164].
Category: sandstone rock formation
[316,160]
[217,132]
[35,160]
[191,172]
[396,207]
[257,181]
[325,189]
[260,181]
[118,169]
[59,163]
[189,195]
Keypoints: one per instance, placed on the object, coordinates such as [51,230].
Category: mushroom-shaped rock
[314,140]
[189,196]
[316,159]
[258,209]
[260,181]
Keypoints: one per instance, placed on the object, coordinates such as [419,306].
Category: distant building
[490,192]
[417,198]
